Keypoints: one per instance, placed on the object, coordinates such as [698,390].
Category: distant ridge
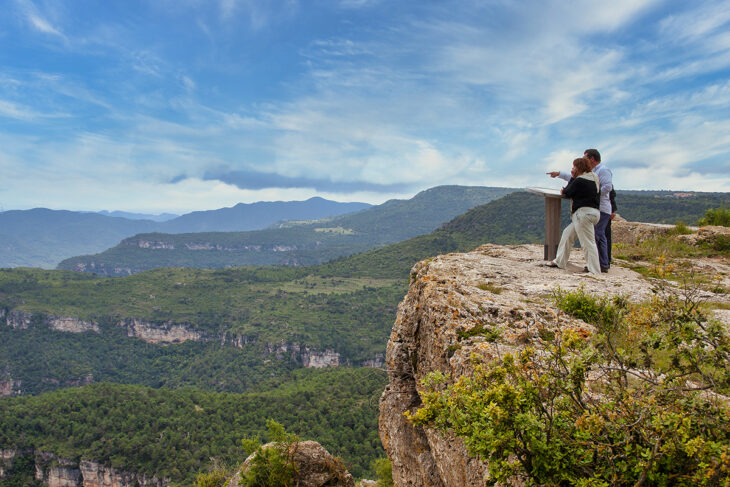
[256,216]
[292,243]
[42,237]
[161,217]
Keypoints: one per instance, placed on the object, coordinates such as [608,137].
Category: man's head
[593,156]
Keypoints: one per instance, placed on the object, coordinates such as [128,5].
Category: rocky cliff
[453,305]
[55,471]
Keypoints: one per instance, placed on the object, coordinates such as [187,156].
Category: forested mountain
[240,330]
[294,243]
[174,434]
[43,237]
[255,216]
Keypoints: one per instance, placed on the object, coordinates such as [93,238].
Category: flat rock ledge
[505,288]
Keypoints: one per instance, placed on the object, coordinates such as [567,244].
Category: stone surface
[623,231]
[167,332]
[71,325]
[315,467]
[501,288]
[60,472]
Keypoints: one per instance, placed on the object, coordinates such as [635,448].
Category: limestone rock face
[315,467]
[504,290]
[17,319]
[71,325]
[7,457]
[8,387]
[59,472]
[97,475]
[167,332]
[318,360]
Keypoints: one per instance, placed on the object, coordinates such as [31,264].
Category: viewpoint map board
[553,199]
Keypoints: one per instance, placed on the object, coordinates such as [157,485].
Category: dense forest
[175,433]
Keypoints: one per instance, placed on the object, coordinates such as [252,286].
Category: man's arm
[605,177]
[560,174]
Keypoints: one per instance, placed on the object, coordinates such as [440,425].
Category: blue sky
[180,105]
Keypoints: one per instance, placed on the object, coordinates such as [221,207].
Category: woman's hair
[582,165]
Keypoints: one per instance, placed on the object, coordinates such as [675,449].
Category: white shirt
[606,180]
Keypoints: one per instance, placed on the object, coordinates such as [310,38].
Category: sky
[181,105]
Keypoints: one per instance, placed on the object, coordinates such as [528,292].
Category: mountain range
[42,238]
[291,243]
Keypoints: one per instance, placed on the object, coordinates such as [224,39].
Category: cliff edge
[453,303]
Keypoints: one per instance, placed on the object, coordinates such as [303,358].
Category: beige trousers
[581,228]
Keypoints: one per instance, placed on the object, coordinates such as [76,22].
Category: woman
[584,190]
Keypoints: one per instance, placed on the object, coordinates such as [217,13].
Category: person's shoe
[604,270]
[585,270]
[551,264]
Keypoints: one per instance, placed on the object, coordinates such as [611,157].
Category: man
[606,185]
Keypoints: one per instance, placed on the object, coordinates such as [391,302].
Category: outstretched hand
[553,174]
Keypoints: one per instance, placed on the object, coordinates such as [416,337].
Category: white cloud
[37,20]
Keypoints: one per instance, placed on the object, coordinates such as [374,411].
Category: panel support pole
[552,226]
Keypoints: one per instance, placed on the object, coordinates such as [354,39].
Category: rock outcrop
[486,302]
[60,472]
[7,457]
[308,357]
[16,319]
[8,386]
[21,320]
[315,467]
[71,325]
[166,332]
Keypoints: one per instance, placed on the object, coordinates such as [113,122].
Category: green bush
[383,471]
[717,216]
[680,228]
[599,311]
[216,478]
[647,416]
[272,465]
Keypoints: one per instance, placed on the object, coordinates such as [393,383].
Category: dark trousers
[608,240]
[601,242]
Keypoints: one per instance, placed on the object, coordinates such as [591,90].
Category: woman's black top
[583,192]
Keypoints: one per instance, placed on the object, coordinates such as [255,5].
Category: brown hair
[583,165]
[593,154]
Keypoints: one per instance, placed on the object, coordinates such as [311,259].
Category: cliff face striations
[486,302]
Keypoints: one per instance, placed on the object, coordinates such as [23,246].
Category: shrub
[599,311]
[717,216]
[274,465]
[647,416]
[384,472]
[216,478]
[680,228]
